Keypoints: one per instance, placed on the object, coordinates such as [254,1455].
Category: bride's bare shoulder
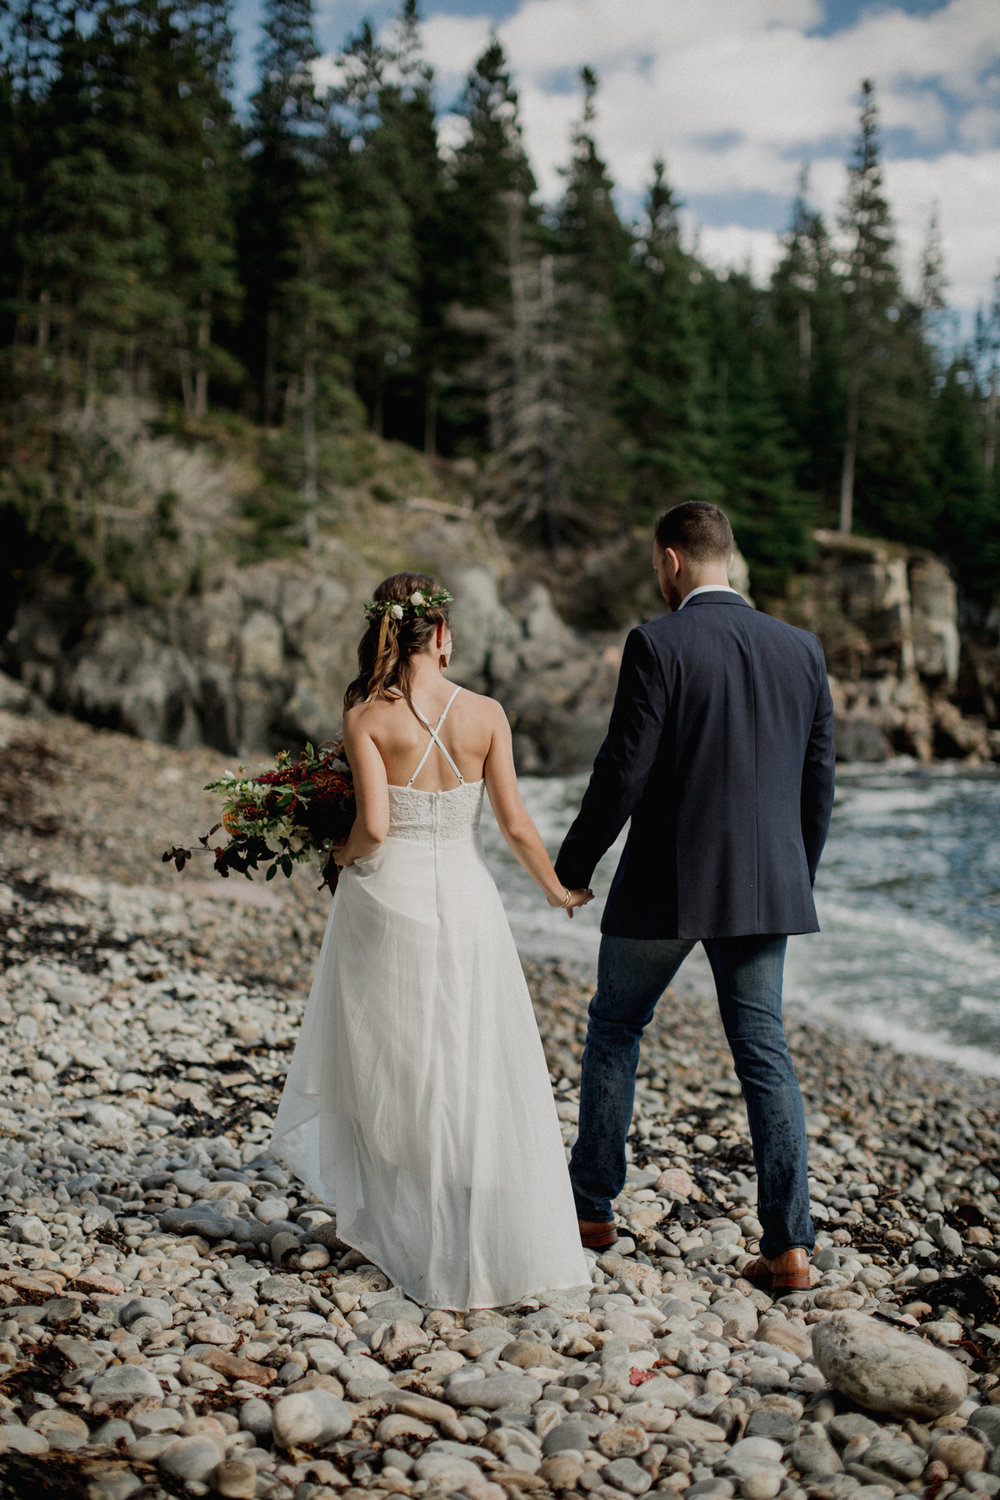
[488,708]
[363,715]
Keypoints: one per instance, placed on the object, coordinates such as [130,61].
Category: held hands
[572,899]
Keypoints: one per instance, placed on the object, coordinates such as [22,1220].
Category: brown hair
[386,672]
[697,529]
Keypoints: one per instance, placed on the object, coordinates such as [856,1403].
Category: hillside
[191,599]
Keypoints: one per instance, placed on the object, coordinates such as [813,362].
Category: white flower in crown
[417,597]
[396,611]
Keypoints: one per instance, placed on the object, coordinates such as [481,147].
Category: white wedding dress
[418,1102]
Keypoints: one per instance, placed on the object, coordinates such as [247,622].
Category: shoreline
[166,1287]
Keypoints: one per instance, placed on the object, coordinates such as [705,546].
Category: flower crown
[417,604]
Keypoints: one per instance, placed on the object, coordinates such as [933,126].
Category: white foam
[878,966]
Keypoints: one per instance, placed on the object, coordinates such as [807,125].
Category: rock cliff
[900,671]
[259,656]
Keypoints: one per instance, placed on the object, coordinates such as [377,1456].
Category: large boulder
[885,1369]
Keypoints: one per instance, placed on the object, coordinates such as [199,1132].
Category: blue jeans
[632,974]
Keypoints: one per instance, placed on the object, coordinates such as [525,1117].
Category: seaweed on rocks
[72,1476]
[26,768]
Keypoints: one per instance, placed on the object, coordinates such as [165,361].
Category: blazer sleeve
[623,762]
[818,774]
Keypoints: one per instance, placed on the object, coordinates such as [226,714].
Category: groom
[720,751]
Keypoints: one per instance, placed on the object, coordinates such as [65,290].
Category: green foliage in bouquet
[281,817]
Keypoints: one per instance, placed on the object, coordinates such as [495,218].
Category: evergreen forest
[314,264]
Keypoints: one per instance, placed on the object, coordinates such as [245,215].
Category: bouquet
[281,817]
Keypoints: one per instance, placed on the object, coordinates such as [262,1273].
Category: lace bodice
[435,817]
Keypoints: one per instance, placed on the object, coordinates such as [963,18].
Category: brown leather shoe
[597,1234]
[781,1274]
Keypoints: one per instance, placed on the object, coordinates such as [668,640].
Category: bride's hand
[576,898]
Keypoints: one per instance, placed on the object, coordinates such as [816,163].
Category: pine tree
[590,273]
[99,291]
[490,256]
[969,529]
[871,283]
[408,115]
[203,173]
[932,299]
[384,272]
[296,253]
[529,422]
[284,126]
[665,381]
[985,365]
[805,319]
[489,165]
[755,456]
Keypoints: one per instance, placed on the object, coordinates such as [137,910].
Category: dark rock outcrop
[260,656]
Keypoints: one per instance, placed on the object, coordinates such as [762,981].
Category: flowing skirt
[418,1102]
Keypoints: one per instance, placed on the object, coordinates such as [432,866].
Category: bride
[418,1102]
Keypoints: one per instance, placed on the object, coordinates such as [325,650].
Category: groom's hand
[578,898]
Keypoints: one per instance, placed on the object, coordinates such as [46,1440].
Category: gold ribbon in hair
[383,632]
[380,652]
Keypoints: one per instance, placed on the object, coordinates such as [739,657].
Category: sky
[736,96]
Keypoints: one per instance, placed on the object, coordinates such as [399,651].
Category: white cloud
[965,191]
[735,246]
[735,94]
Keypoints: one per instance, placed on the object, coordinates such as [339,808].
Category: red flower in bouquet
[297,810]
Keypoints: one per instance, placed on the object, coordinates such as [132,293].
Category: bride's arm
[515,823]
[371,820]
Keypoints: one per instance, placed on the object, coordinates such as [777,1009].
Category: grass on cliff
[131,497]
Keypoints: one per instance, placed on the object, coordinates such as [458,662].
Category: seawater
[908,898]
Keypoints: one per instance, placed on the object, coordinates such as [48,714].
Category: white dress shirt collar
[707,588]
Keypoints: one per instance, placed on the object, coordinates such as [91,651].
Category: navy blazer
[720,750]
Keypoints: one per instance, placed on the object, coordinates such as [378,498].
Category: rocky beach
[178,1316]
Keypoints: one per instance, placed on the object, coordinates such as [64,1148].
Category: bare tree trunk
[850,455]
[310,447]
[201,360]
[518,297]
[270,387]
[805,343]
[184,367]
[547,289]
[44,321]
[430,414]
[990,435]
[90,372]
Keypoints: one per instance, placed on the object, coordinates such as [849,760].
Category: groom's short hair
[699,530]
